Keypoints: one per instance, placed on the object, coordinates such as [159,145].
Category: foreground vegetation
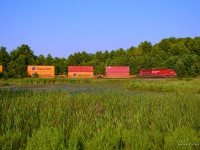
[55,81]
[125,114]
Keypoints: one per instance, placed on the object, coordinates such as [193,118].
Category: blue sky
[63,27]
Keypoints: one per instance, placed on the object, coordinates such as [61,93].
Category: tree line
[180,54]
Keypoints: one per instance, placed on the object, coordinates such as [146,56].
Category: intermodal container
[41,68]
[1,68]
[42,71]
[80,75]
[42,75]
[117,72]
[80,72]
[80,68]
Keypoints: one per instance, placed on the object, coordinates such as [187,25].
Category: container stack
[117,72]
[42,71]
[80,72]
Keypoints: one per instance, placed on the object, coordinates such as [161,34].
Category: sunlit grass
[137,118]
[182,86]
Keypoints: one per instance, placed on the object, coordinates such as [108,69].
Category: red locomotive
[159,73]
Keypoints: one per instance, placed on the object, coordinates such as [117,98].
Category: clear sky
[63,27]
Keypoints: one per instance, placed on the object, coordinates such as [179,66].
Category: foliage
[180,54]
[36,75]
[4,58]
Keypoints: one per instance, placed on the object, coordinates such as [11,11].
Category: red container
[117,69]
[80,68]
[117,72]
[157,73]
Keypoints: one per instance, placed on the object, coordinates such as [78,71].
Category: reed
[55,81]
[109,117]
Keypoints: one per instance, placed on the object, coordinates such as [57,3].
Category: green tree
[120,52]
[190,63]
[119,61]
[148,62]
[4,59]
[60,66]
[72,61]
[180,68]
[145,47]
[21,57]
[49,60]
[112,54]
[196,48]
[156,51]
[100,69]
[22,67]
[165,44]
[24,50]
[137,52]
[99,57]
[84,57]
[40,60]
[13,69]
[78,58]
[106,55]
[132,64]
[130,51]
[179,49]
[171,62]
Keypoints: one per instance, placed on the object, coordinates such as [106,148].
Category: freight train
[110,72]
[157,73]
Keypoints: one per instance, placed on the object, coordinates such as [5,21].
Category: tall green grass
[169,85]
[60,120]
[54,81]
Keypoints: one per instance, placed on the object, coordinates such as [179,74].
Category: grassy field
[99,114]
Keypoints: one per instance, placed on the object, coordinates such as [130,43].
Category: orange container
[41,68]
[42,71]
[1,68]
[42,74]
[80,74]
[117,75]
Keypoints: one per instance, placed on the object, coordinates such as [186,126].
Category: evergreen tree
[4,58]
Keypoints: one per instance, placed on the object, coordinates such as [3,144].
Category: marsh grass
[59,119]
[180,86]
[55,81]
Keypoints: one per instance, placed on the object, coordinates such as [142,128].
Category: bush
[36,75]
